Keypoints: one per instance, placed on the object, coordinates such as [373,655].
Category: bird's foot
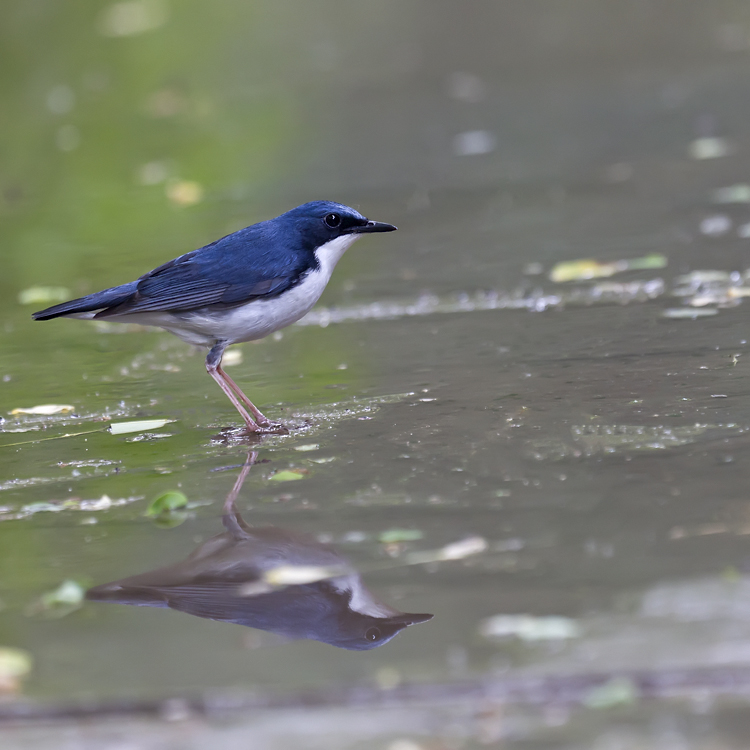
[271,428]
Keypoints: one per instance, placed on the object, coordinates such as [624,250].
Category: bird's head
[357,632]
[328,228]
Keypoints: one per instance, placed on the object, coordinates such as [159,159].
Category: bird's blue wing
[230,271]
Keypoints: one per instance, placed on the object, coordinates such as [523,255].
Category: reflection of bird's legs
[229,508]
[213,366]
[231,518]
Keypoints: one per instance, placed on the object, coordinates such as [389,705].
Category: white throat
[329,255]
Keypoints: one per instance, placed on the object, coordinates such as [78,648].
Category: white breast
[257,318]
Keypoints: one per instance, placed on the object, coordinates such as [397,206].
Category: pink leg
[260,418]
[251,426]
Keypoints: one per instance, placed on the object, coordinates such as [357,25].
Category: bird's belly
[253,320]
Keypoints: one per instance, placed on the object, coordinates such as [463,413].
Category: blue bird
[239,288]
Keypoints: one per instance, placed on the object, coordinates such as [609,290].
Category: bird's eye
[372,634]
[332,221]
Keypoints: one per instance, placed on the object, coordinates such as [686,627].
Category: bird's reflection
[227,578]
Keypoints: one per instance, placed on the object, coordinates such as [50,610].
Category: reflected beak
[374,226]
[409,618]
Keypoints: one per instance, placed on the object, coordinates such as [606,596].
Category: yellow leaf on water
[15,663]
[288,475]
[589,268]
[44,295]
[44,409]
[575,270]
[184,192]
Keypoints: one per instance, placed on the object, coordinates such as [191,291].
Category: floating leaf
[43,295]
[529,628]
[472,545]
[66,598]
[44,409]
[184,192]
[170,520]
[287,475]
[67,593]
[616,692]
[676,313]
[122,428]
[400,535]
[166,503]
[588,268]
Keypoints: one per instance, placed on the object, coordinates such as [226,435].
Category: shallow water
[445,388]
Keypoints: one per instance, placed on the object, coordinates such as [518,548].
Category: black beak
[374,226]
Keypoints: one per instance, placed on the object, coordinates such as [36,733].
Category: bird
[239,288]
[238,577]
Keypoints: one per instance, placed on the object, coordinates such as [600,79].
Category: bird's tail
[89,304]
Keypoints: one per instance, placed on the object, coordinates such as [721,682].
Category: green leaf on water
[66,598]
[68,593]
[400,535]
[166,503]
[616,692]
[287,475]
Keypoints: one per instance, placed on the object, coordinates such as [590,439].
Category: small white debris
[152,173]
[60,100]
[465,87]
[709,148]
[68,138]
[529,628]
[133,17]
[716,225]
[103,503]
[533,269]
[677,313]
[474,143]
[232,357]
[473,545]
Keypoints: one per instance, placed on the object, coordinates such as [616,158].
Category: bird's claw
[269,428]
